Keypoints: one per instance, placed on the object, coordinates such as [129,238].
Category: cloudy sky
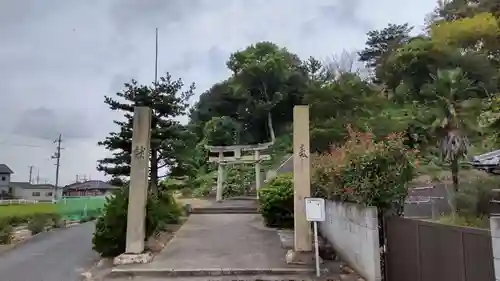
[58,58]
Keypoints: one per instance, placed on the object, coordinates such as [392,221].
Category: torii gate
[234,154]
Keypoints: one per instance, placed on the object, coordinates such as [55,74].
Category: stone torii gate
[302,251]
[237,154]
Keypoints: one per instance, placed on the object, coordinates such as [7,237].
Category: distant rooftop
[92,184]
[4,169]
[27,185]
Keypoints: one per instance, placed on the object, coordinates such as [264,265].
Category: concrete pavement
[59,255]
[220,244]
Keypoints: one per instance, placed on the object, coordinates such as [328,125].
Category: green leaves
[276,202]
[365,171]
[111,228]
[168,100]
[222,131]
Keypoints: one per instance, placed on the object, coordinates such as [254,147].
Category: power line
[19,144]
[57,156]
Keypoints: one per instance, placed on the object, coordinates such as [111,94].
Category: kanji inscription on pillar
[303,152]
[140,152]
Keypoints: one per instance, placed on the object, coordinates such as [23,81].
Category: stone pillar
[301,177]
[257,171]
[495,243]
[220,178]
[139,175]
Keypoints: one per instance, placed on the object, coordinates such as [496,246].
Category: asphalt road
[60,255]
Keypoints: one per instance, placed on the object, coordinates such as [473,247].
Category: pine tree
[167,100]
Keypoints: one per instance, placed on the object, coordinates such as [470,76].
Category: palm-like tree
[455,108]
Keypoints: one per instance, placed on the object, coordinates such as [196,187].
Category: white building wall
[39,194]
[495,243]
[353,232]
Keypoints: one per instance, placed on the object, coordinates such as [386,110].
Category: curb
[71,224]
[227,210]
[243,198]
[172,272]
[218,212]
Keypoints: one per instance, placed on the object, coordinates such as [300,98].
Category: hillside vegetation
[436,90]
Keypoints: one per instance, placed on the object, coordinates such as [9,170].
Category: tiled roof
[93,184]
[4,169]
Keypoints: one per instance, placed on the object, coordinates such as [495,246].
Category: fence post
[433,209]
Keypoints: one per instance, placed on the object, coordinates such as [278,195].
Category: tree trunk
[271,127]
[454,177]
[154,170]
[454,173]
[154,157]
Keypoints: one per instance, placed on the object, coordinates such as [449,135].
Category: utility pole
[37,176]
[156,58]
[31,173]
[57,156]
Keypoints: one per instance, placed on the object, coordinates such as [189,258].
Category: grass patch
[465,221]
[27,209]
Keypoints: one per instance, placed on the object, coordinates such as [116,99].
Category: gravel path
[59,255]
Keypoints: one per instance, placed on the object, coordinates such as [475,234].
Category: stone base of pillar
[301,258]
[133,258]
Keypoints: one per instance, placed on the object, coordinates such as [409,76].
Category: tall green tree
[168,100]
[271,80]
[266,82]
[381,43]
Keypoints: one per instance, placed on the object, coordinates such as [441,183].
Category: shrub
[164,210]
[465,221]
[85,219]
[110,234]
[203,185]
[55,220]
[366,171]
[238,180]
[474,195]
[17,220]
[38,223]
[186,192]
[5,232]
[276,202]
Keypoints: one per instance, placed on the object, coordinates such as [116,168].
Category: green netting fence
[76,208]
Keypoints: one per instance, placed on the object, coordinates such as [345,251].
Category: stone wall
[353,232]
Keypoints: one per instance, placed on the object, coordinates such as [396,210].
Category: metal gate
[426,251]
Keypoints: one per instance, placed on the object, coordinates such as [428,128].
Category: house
[24,190]
[89,188]
[5,173]
[38,192]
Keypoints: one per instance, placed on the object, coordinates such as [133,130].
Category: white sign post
[315,212]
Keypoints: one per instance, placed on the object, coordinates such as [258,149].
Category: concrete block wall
[353,232]
[495,243]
